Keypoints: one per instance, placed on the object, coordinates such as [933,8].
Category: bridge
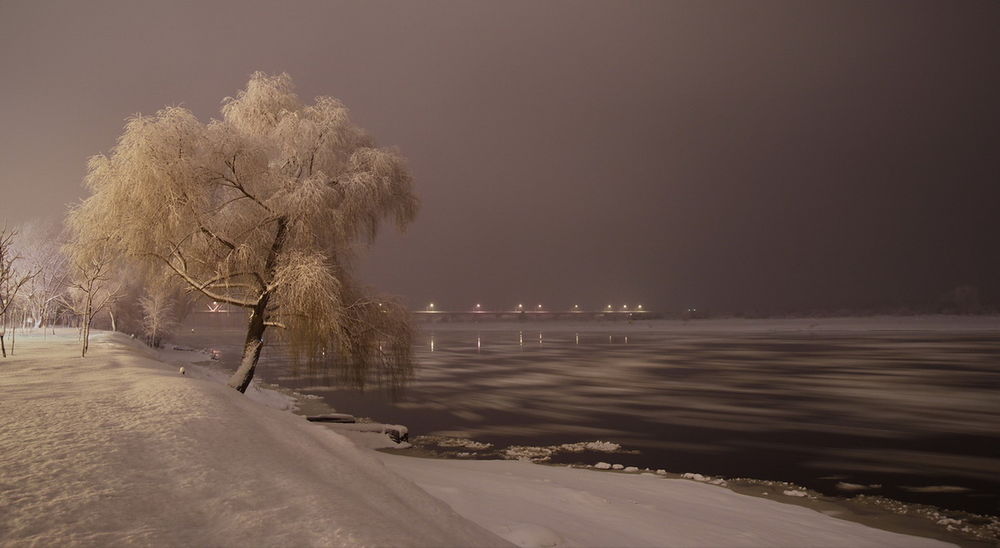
[432,313]
[520,312]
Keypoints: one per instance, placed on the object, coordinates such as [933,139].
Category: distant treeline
[961,300]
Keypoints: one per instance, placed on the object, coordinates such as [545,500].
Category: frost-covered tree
[12,280]
[94,285]
[262,210]
[158,317]
[40,246]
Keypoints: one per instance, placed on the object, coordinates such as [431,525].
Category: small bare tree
[262,210]
[11,282]
[93,287]
[158,317]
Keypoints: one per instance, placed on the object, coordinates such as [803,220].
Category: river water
[904,408]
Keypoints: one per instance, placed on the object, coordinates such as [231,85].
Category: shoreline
[873,511]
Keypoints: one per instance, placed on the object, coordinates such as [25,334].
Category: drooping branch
[201,286]
[217,281]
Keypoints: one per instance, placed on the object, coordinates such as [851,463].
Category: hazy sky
[727,155]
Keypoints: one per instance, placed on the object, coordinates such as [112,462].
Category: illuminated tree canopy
[264,210]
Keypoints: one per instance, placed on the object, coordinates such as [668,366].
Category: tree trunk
[114,326]
[3,349]
[251,347]
[86,329]
[86,338]
[255,328]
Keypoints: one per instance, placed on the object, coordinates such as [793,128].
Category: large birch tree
[261,210]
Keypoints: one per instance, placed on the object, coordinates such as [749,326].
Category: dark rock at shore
[332,417]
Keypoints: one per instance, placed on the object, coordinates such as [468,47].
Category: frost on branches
[12,280]
[263,210]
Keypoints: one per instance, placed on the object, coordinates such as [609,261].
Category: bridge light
[609,307]
[520,307]
[539,307]
[624,307]
[576,307]
[430,306]
[478,306]
[639,307]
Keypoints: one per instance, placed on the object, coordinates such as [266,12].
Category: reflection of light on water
[479,342]
[432,343]
[626,339]
[609,339]
[520,338]
[539,338]
[577,338]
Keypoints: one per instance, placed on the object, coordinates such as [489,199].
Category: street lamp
[430,307]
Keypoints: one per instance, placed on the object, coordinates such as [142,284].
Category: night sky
[727,155]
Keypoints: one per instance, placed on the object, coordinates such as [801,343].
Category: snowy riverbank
[119,448]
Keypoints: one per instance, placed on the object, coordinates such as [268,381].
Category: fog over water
[904,408]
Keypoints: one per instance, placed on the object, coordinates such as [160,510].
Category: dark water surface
[910,413]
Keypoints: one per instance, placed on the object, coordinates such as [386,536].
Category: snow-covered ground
[534,505]
[119,448]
